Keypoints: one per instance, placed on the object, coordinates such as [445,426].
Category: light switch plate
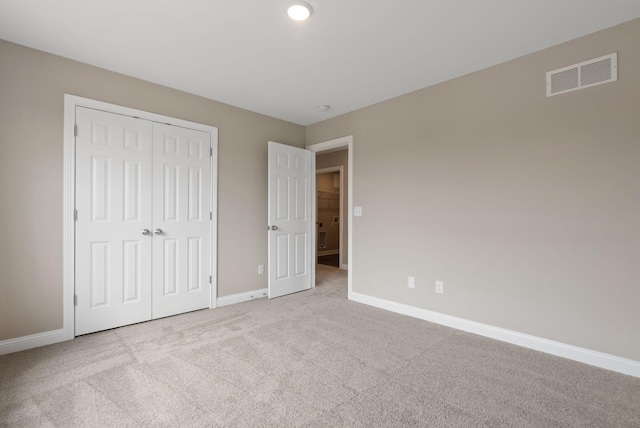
[411,282]
[357,211]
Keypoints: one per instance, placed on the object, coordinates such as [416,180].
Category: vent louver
[586,74]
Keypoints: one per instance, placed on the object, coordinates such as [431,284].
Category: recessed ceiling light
[324,107]
[299,11]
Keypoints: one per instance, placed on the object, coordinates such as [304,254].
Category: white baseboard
[241,297]
[344,267]
[50,337]
[587,356]
[32,341]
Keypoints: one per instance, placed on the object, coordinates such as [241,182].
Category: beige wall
[32,85]
[527,207]
[339,158]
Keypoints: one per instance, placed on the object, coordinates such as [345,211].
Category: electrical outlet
[260,269]
[439,287]
[411,282]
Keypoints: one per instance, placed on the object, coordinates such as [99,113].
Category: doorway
[343,148]
[329,211]
[134,176]
[173,223]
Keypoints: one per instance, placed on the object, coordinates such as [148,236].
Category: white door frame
[334,145]
[339,169]
[69,191]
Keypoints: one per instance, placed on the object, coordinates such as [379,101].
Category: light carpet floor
[311,359]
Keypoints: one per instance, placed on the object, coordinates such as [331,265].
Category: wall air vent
[583,75]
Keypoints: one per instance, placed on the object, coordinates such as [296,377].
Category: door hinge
[210,279]
[75,300]
[210,151]
[75,130]
[75,215]
[210,215]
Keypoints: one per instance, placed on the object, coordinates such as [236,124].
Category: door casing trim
[69,191]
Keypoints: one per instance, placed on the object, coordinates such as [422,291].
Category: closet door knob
[158,232]
[274,227]
[145,231]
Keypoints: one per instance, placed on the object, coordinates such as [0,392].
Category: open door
[290,219]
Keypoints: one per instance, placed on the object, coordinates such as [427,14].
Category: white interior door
[290,226]
[181,225]
[143,229]
[113,202]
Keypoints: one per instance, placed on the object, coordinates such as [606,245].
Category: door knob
[274,227]
[145,231]
[158,231]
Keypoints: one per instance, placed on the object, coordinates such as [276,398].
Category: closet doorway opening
[329,215]
[138,228]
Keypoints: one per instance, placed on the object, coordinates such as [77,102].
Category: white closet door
[113,200]
[181,225]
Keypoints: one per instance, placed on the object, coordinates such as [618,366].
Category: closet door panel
[181,197]
[113,201]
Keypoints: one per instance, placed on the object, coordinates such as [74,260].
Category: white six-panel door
[113,202]
[181,207]
[143,225]
[290,228]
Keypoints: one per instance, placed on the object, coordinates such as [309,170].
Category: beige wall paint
[32,85]
[527,207]
[339,158]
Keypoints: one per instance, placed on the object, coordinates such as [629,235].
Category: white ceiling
[350,54]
